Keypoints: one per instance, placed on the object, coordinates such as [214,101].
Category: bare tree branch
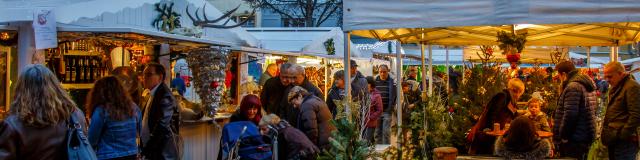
[305,10]
[336,7]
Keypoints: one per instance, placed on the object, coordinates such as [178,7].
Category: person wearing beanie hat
[574,128]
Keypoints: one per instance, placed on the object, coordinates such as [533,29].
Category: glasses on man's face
[289,77]
[149,74]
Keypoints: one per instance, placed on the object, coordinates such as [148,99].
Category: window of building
[250,23]
[293,22]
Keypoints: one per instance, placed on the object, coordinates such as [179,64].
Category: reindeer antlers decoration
[197,21]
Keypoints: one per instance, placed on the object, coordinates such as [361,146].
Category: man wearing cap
[574,120]
[622,119]
[358,82]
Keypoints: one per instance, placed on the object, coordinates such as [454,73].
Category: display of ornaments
[208,66]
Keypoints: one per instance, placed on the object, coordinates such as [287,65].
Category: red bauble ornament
[513,57]
[214,84]
[451,110]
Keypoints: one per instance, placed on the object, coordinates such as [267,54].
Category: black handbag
[78,146]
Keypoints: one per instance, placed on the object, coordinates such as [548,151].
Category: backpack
[243,139]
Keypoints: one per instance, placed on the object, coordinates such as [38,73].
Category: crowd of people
[293,103]
[127,122]
[574,124]
[42,112]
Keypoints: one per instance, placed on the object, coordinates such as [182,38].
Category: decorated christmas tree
[481,83]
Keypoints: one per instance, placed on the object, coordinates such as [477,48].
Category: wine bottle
[78,69]
[91,69]
[85,69]
[72,69]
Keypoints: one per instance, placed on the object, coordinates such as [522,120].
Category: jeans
[623,150]
[369,134]
[383,131]
[576,150]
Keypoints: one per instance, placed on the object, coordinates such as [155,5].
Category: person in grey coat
[623,113]
[314,117]
[574,119]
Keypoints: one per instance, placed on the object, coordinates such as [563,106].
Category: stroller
[242,140]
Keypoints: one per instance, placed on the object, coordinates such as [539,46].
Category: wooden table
[541,134]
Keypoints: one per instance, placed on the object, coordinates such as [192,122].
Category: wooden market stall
[8,50]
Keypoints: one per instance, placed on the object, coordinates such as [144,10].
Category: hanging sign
[44,28]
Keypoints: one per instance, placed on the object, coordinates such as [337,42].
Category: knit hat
[565,67]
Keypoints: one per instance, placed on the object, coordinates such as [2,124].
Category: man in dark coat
[161,119]
[287,112]
[314,118]
[274,89]
[358,83]
[623,113]
[574,119]
[387,88]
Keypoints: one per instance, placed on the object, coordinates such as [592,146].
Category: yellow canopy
[584,34]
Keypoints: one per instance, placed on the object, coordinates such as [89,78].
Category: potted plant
[511,45]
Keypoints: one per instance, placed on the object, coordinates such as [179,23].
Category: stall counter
[201,138]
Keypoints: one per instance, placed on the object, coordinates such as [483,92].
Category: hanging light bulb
[4,36]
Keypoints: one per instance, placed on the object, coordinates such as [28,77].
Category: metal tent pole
[347,70]
[430,70]
[589,57]
[399,96]
[447,66]
[613,55]
[423,69]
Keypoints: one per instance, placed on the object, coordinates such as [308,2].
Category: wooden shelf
[77,85]
[81,53]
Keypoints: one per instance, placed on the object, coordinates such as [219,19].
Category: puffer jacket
[541,150]
[623,112]
[314,120]
[574,118]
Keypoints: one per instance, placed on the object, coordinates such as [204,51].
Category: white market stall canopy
[318,45]
[476,22]
[113,16]
[305,40]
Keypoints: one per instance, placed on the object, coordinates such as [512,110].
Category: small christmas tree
[347,142]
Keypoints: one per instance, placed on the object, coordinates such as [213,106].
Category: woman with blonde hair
[501,110]
[36,127]
[313,116]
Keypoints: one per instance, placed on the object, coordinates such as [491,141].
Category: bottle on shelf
[72,69]
[78,69]
[91,69]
